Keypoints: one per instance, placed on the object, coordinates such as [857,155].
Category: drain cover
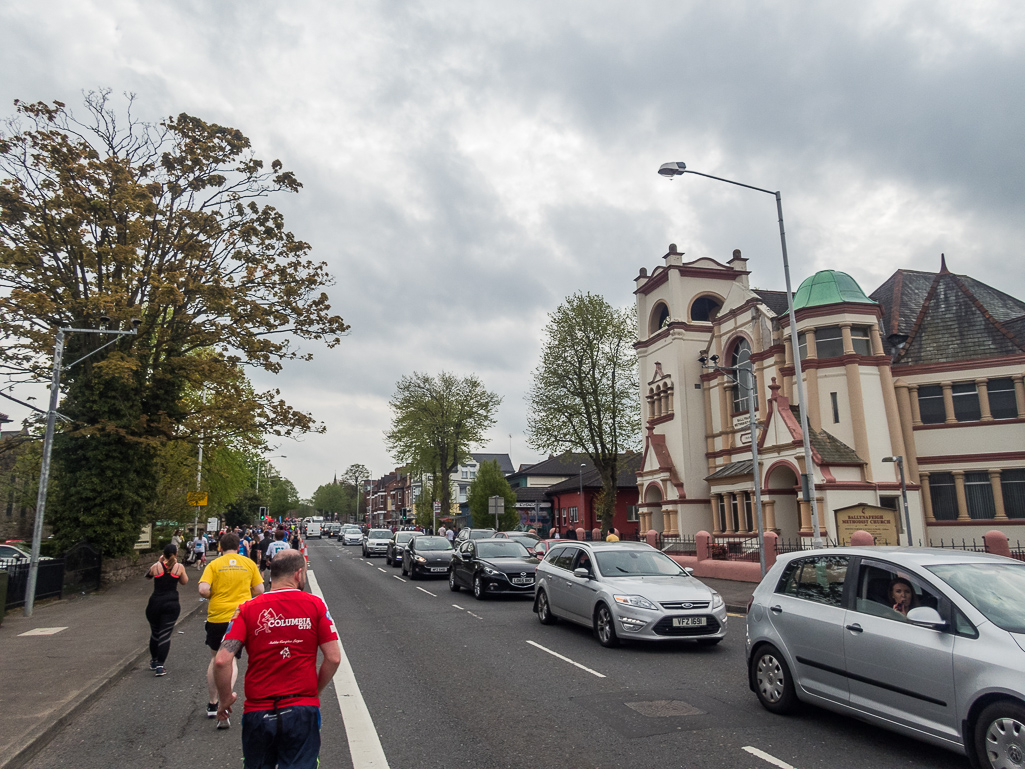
[664,708]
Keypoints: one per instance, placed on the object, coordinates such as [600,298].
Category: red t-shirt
[282,630]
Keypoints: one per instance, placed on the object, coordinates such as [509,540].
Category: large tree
[109,217]
[436,420]
[584,395]
[490,482]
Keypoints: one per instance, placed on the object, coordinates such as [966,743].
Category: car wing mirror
[689,570]
[926,616]
[581,572]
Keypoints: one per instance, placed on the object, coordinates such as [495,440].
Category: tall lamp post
[899,461]
[807,477]
[748,373]
[581,474]
[51,422]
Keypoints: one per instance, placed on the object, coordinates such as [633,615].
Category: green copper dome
[829,287]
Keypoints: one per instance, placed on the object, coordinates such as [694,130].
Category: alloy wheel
[605,630]
[478,588]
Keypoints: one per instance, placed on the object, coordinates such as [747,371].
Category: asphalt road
[451,682]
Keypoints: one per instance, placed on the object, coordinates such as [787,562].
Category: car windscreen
[501,550]
[433,543]
[995,589]
[404,536]
[482,533]
[637,563]
[379,534]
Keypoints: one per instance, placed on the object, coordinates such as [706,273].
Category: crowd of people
[281,629]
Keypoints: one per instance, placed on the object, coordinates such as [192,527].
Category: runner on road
[227,582]
[163,608]
[281,632]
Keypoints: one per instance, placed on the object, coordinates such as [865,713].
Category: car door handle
[855,628]
[777,609]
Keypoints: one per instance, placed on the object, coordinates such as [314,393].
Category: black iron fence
[734,548]
[83,568]
[684,544]
[1018,551]
[974,547]
[49,581]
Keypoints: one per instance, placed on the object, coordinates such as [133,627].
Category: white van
[314,529]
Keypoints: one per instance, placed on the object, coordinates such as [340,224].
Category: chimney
[738,262]
[673,256]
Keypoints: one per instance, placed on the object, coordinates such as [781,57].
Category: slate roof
[564,464]
[504,462]
[774,300]
[530,494]
[832,450]
[629,464]
[732,469]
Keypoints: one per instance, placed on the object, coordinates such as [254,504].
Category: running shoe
[211,710]
[159,671]
[152,664]
[225,724]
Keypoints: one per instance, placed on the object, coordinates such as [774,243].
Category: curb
[36,739]
[731,608]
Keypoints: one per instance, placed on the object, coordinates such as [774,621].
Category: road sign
[437,507]
[211,524]
[496,506]
[197,498]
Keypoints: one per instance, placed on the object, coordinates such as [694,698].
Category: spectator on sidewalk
[612,536]
[281,632]
[226,582]
[163,608]
[199,551]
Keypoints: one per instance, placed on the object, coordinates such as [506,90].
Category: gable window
[829,342]
[979,492]
[704,309]
[1012,485]
[740,359]
[836,408]
[930,405]
[966,402]
[861,341]
[1002,403]
[944,496]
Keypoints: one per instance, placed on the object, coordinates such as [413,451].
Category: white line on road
[473,615]
[427,591]
[769,758]
[567,659]
[364,744]
[459,607]
[381,570]
[396,576]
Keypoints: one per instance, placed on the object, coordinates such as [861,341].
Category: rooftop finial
[943,265]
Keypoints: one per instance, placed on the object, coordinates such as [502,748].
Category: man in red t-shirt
[281,631]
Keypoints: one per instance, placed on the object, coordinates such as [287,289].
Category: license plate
[436,569]
[690,621]
[522,581]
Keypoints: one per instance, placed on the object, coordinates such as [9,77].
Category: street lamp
[807,477]
[51,421]
[899,461]
[259,466]
[582,466]
[749,385]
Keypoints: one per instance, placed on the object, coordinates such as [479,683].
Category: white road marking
[381,570]
[768,758]
[428,592]
[42,631]
[364,744]
[473,615]
[396,576]
[459,607]
[567,659]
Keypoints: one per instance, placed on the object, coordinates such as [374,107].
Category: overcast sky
[467,165]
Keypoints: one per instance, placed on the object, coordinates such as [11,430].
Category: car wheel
[605,626]
[412,570]
[403,569]
[452,584]
[387,559]
[478,588]
[544,609]
[773,682]
[1000,735]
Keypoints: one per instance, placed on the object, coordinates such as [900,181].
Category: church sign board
[881,522]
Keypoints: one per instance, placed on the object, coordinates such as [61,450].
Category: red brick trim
[904,369]
[832,309]
[976,423]
[1005,456]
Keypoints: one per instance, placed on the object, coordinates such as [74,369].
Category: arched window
[741,359]
[704,309]
[659,318]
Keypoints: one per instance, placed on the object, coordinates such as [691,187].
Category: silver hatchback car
[626,590]
[929,643]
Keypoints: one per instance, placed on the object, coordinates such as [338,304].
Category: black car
[396,545]
[492,566]
[427,557]
[466,533]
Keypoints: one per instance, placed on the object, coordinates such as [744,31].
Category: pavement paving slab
[56,662]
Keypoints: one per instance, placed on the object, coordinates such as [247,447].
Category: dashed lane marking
[381,570]
[473,615]
[360,732]
[768,758]
[396,576]
[567,659]
[459,607]
[428,592]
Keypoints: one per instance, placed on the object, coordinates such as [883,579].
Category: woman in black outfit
[163,608]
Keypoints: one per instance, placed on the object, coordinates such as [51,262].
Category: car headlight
[717,601]
[637,601]
[491,572]
[421,559]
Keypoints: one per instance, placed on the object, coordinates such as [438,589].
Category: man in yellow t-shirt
[227,582]
[612,536]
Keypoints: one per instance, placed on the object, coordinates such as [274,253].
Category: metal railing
[49,581]
[974,547]
[684,544]
[734,548]
[1018,552]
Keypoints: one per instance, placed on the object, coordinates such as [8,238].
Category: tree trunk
[607,509]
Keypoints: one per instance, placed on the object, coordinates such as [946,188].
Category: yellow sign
[197,498]
[881,522]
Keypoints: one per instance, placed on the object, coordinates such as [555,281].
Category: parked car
[14,553]
[525,538]
[427,557]
[466,533]
[928,643]
[397,543]
[488,566]
[542,546]
[626,590]
[376,542]
[351,535]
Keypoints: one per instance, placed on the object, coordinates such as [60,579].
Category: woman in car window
[902,595]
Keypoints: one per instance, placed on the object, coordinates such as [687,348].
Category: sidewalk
[47,679]
[736,594]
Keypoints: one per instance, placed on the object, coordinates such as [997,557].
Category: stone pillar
[742,528]
[769,509]
[811,377]
[877,340]
[716,526]
[998,495]
[645,522]
[728,499]
[906,414]
[1019,394]
[962,498]
[788,360]
[770,540]
[670,516]
[894,423]
[859,418]
[845,335]
[650,400]
[805,507]
[996,543]
[916,411]
[725,423]
[703,540]
[923,479]
[821,504]
[948,402]
[862,539]
[983,388]
[651,537]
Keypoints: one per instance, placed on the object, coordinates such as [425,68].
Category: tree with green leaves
[336,499]
[491,482]
[584,396]
[436,421]
[282,498]
[108,219]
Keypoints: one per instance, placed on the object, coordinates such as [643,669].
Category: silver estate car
[626,590]
[926,642]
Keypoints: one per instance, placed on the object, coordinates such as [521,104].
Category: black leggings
[161,615]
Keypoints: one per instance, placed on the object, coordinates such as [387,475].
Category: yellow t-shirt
[612,537]
[231,578]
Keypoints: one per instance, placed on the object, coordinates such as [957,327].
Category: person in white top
[199,549]
[450,535]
